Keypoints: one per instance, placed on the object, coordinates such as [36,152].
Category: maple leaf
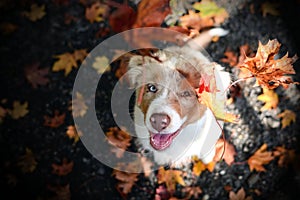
[217,107]
[199,166]
[270,8]
[54,121]
[69,60]
[101,64]
[8,28]
[193,21]
[126,179]
[64,169]
[227,154]
[240,195]
[270,98]
[96,12]
[36,12]
[192,191]
[260,158]
[209,9]
[19,110]
[286,156]
[27,162]
[288,117]
[78,106]
[36,76]
[3,113]
[119,139]
[267,70]
[230,57]
[62,191]
[170,177]
[72,133]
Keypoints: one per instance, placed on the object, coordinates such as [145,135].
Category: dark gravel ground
[90,179]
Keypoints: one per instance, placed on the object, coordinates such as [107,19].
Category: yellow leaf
[270,98]
[288,117]
[36,12]
[78,106]
[27,162]
[199,166]
[96,12]
[101,64]
[217,106]
[69,60]
[19,110]
[170,177]
[72,133]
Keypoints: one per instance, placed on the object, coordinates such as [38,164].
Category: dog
[169,121]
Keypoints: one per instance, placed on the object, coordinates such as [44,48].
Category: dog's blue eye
[152,88]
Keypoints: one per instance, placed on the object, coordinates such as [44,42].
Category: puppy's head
[165,95]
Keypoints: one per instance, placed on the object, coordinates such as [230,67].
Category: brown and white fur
[169,121]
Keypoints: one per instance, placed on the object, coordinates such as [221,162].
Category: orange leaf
[64,169]
[230,58]
[72,133]
[260,158]
[192,191]
[199,166]
[270,98]
[119,139]
[288,117]
[54,121]
[240,195]
[126,180]
[170,177]
[228,153]
[269,71]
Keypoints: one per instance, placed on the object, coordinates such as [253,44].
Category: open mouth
[161,141]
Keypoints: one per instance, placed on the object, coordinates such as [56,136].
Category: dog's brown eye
[152,88]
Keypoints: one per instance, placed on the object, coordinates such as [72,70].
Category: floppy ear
[135,70]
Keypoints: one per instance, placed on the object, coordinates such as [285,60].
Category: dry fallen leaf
[126,179]
[36,76]
[210,10]
[240,195]
[170,177]
[19,110]
[27,162]
[119,139]
[72,133]
[8,28]
[270,8]
[260,158]
[62,192]
[96,12]
[286,156]
[230,57]
[78,106]
[288,117]
[101,64]
[36,12]
[62,169]
[56,120]
[69,60]
[227,154]
[269,71]
[270,98]
[3,113]
[199,166]
[192,192]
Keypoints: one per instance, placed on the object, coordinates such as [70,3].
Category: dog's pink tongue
[160,141]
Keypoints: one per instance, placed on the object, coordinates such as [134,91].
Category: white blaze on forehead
[160,105]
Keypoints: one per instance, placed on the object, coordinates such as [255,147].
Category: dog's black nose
[159,121]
